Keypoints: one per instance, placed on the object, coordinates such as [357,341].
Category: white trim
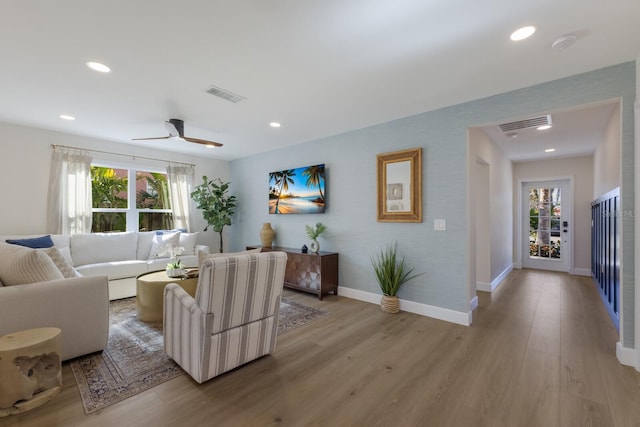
[582,272]
[474,303]
[439,313]
[490,287]
[636,192]
[625,355]
[483,286]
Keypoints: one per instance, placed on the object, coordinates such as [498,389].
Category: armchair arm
[79,306]
[186,330]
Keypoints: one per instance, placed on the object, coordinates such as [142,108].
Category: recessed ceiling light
[274,124]
[523,33]
[67,117]
[210,146]
[544,127]
[96,66]
[549,150]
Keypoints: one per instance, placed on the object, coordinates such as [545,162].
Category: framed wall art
[400,186]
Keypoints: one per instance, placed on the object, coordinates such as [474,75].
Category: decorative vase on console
[267,235]
[313,233]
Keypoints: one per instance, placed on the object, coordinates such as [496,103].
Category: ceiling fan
[175,127]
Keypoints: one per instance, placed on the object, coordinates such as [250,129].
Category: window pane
[108,187]
[108,221]
[149,221]
[151,191]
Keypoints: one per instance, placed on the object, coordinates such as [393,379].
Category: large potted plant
[216,204]
[391,271]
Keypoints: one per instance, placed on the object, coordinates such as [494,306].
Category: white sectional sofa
[108,264]
[121,256]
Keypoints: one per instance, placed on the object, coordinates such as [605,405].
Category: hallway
[553,334]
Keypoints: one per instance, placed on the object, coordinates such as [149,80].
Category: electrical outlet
[440,224]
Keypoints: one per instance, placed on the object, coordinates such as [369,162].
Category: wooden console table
[314,273]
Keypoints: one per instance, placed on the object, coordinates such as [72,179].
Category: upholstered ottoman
[150,290]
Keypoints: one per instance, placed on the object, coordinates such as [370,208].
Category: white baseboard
[490,287]
[625,355]
[439,313]
[517,265]
[582,272]
[474,303]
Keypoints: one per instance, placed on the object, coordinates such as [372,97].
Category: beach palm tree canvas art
[297,191]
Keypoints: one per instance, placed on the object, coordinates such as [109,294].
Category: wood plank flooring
[540,352]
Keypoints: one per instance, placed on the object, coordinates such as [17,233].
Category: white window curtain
[69,202]
[180,183]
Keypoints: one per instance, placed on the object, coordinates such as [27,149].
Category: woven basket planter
[390,304]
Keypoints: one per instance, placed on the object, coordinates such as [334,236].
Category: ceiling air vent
[225,94]
[525,124]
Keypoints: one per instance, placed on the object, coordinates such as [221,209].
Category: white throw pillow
[21,265]
[188,243]
[61,262]
[161,242]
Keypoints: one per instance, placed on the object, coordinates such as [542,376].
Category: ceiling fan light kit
[175,128]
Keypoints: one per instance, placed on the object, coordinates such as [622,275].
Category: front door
[546,227]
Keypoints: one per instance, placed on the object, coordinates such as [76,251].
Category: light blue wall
[350,160]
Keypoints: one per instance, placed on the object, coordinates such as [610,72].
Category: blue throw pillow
[35,243]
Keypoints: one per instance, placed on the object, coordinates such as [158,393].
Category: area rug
[134,360]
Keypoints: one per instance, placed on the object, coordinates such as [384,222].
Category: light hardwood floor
[540,352]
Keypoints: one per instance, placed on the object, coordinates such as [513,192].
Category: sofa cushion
[189,261]
[202,255]
[115,270]
[21,265]
[161,242]
[145,241]
[34,242]
[188,243]
[61,262]
[95,248]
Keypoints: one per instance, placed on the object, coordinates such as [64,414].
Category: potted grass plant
[391,271]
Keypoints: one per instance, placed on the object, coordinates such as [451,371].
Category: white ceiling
[320,67]
[575,132]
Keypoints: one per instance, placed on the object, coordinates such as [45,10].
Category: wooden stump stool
[30,369]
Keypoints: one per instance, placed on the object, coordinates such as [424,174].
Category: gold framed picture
[400,186]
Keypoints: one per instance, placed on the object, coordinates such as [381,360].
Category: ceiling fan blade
[202,141]
[156,137]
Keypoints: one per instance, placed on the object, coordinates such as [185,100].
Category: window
[129,200]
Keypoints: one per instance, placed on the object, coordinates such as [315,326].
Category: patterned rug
[134,360]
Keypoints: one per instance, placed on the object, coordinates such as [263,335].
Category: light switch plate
[440,224]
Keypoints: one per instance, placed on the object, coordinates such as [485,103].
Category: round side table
[150,293]
[30,369]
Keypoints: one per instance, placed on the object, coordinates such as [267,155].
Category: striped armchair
[233,318]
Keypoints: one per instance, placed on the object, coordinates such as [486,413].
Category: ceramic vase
[266,235]
[314,246]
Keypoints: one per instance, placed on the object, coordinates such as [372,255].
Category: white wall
[606,159]
[26,160]
[500,200]
[581,169]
